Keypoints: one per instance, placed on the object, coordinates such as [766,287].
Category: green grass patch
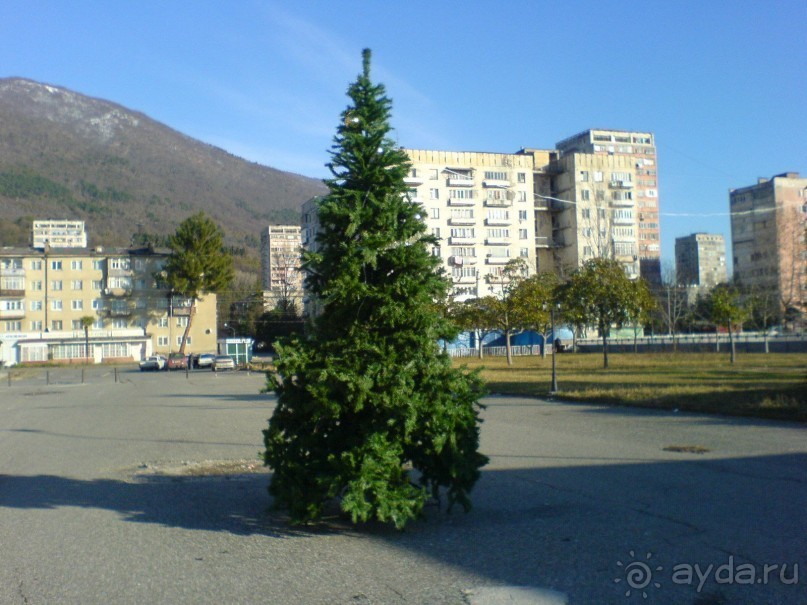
[760,385]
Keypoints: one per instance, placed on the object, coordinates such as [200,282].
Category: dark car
[177,361]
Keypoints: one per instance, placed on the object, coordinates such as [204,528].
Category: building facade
[626,163]
[596,195]
[58,234]
[768,222]
[45,294]
[480,206]
[281,279]
[700,262]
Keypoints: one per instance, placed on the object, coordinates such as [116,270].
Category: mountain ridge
[67,155]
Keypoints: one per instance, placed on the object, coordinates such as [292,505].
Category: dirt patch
[203,468]
[687,449]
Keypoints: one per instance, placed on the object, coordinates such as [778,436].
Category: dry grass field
[765,386]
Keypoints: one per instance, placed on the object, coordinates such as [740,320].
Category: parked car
[203,360]
[223,362]
[177,361]
[154,362]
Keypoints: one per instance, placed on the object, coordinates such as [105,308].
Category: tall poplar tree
[370,412]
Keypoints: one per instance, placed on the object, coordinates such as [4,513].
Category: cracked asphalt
[146,490]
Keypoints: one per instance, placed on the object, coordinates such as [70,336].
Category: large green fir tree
[370,413]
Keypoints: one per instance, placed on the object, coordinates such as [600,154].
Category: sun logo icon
[638,575]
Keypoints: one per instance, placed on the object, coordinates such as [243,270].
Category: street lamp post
[554,388]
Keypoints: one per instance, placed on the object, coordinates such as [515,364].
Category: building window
[587,251]
[56,265]
[36,265]
[598,177]
[436,232]
[119,323]
[522,234]
[163,322]
[434,194]
[14,326]
[56,304]
[524,252]
[584,176]
[97,304]
[56,325]
[36,325]
[77,284]
[98,284]
[522,215]
[434,213]
[522,177]
[433,175]
[162,341]
[76,265]
[98,265]
[56,285]
[36,305]
[179,340]
[495,176]
[585,195]
[77,305]
[36,285]
[585,213]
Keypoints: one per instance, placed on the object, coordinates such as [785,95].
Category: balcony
[498,222]
[620,220]
[620,185]
[497,260]
[118,292]
[459,261]
[461,241]
[457,181]
[495,183]
[461,201]
[12,313]
[543,241]
[11,292]
[499,203]
[118,311]
[497,241]
[462,221]
[622,203]
[414,180]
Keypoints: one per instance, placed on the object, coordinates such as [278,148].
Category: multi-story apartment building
[281,279]
[768,222]
[625,164]
[58,234]
[700,261]
[45,294]
[594,196]
[480,206]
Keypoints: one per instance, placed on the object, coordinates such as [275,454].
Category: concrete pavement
[580,504]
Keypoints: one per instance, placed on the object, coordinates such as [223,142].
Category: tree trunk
[479,344]
[604,345]
[507,347]
[731,343]
[191,313]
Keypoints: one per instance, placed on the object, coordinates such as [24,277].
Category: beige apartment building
[596,195]
[614,175]
[768,222]
[480,206]
[45,293]
[58,234]
[281,278]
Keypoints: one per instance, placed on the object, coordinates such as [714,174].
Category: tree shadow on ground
[541,521]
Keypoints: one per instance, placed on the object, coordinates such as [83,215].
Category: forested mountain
[65,155]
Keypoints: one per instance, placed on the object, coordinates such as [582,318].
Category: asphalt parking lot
[149,489]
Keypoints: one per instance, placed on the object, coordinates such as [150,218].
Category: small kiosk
[240,349]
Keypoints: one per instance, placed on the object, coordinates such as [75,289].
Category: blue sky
[723,85]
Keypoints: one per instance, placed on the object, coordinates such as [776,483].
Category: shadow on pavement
[572,526]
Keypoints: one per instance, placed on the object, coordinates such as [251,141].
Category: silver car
[223,362]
